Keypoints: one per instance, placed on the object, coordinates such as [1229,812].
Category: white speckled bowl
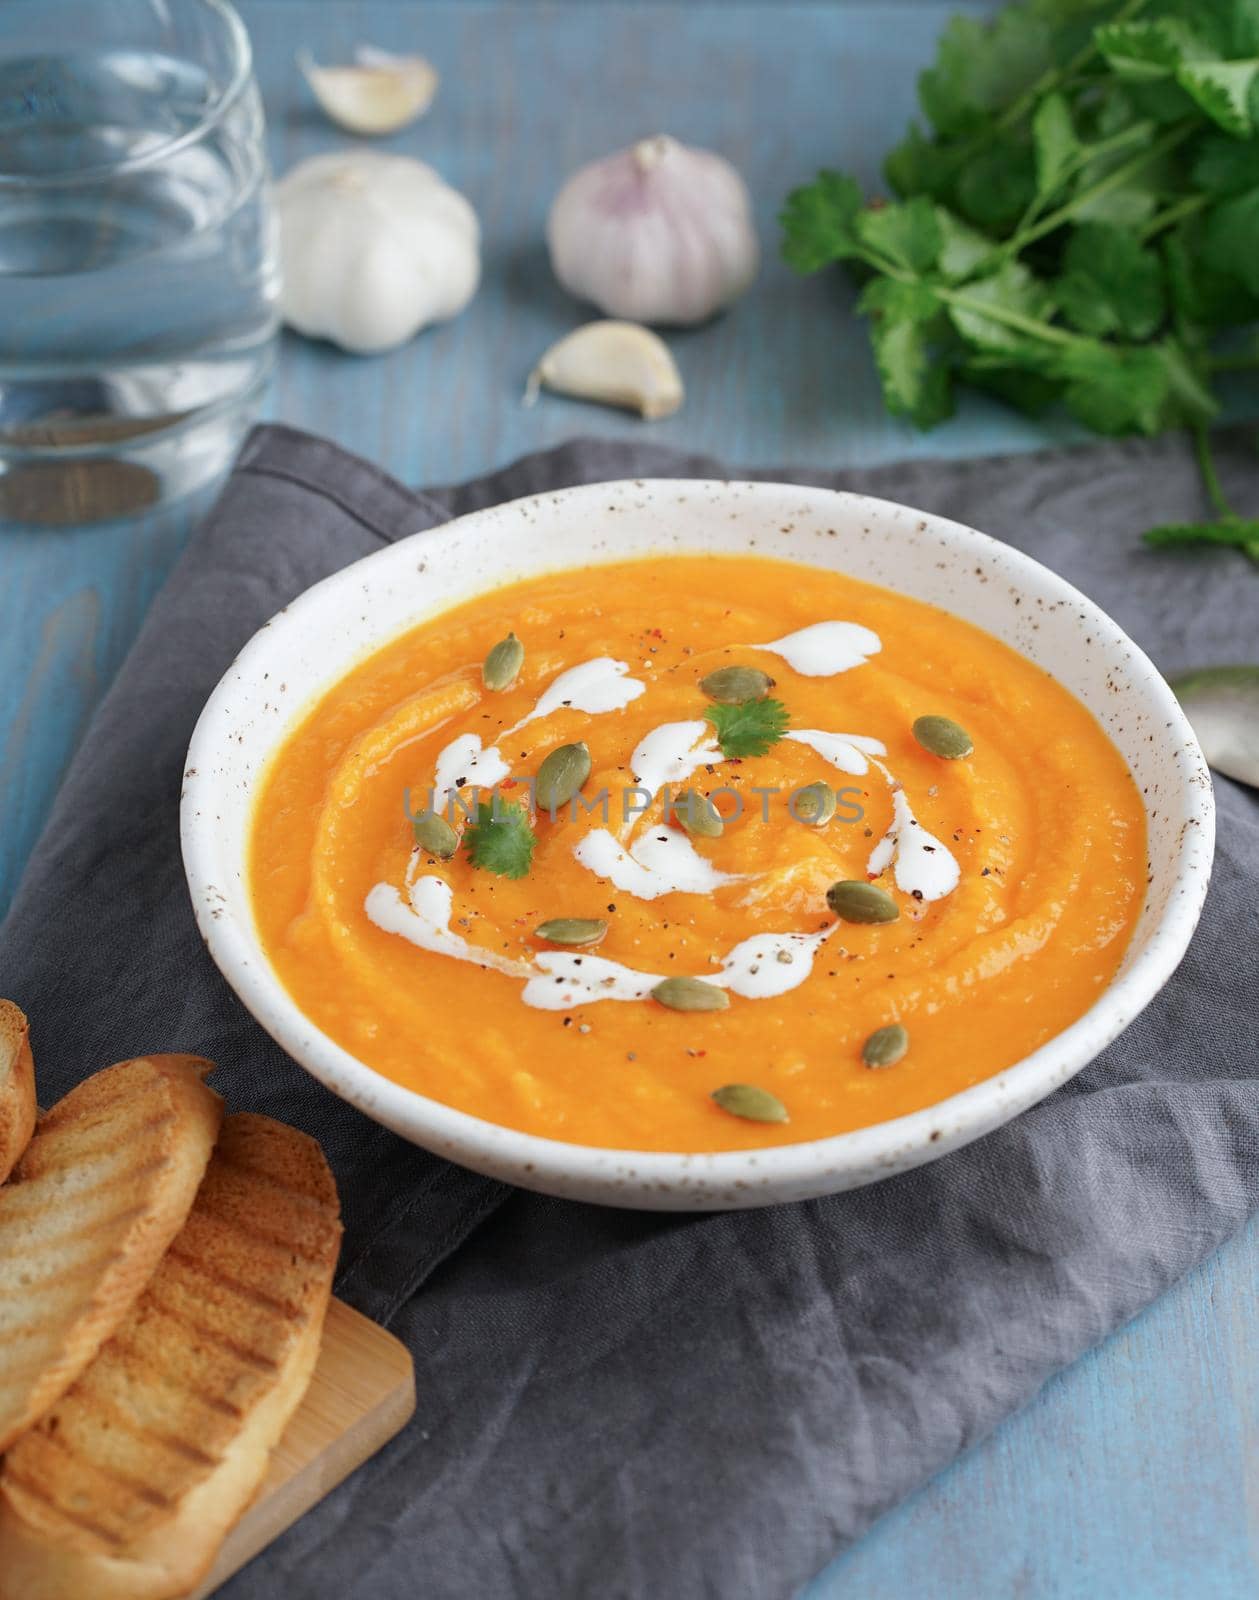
[320,636]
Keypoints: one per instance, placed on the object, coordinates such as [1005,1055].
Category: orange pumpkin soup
[886,855]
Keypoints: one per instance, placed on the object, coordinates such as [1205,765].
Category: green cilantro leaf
[998,182]
[915,385]
[1222,89]
[818,222]
[1143,52]
[1200,292]
[1033,392]
[501,840]
[963,249]
[1241,533]
[918,166]
[1115,389]
[1055,142]
[1230,240]
[749,727]
[1111,284]
[995,311]
[1075,225]
[1227,166]
[907,235]
[982,66]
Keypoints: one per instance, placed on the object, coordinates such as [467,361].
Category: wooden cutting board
[362,1393]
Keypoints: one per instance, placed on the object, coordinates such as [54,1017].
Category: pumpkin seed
[731,686]
[746,1100]
[503,664]
[577,931]
[814,805]
[434,834]
[690,994]
[941,736]
[885,1046]
[560,776]
[854,900]
[697,814]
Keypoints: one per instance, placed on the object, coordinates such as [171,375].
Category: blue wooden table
[1135,1475]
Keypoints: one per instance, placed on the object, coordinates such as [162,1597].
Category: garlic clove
[660,232]
[614,363]
[379,93]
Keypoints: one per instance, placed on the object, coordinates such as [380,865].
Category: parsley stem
[1164,219]
[1113,180]
[1054,77]
[1087,155]
[1035,327]
[1210,477]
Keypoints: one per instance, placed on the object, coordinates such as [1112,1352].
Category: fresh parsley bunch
[1079,228]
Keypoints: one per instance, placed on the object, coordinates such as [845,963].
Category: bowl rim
[791,1171]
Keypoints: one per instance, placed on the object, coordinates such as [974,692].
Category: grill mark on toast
[145,1492]
[250,1358]
[174,1379]
[274,1240]
[233,1285]
[36,1491]
[266,1180]
[72,1232]
[121,1133]
[13,1216]
[84,1395]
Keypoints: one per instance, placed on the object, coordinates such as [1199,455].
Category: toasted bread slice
[17,1087]
[104,1186]
[127,1488]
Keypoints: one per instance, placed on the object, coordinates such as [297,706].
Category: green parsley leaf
[1241,533]
[1230,240]
[998,183]
[749,727]
[1055,142]
[1076,225]
[1115,389]
[1200,292]
[894,300]
[995,307]
[907,235]
[982,66]
[917,166]
[501,840]
[1111,284]
[1222,89]
[1143,52]
[1032,392]
[818,222]
[915,384]
[1227,166]
[963,249]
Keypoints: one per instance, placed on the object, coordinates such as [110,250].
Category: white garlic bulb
[660,232]
[373,248]
[614,363]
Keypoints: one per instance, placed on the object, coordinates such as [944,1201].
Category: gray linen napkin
[651,1406]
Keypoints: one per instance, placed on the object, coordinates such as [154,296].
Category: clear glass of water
[138,274]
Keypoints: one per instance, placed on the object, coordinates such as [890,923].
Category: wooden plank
[362,1393]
